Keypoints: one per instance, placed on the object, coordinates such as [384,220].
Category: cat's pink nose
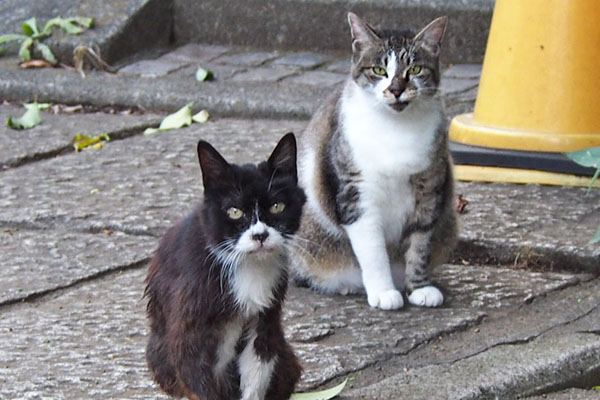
[260,237]
[396,92]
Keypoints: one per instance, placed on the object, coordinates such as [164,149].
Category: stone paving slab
[88,342]
[36,262]
[504,371]
[539,347]
[569,394]
[547,226]
[142,184]
[56,132]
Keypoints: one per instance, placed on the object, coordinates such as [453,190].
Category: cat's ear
[283,158]
[215,169]
[430,37]
[361,32]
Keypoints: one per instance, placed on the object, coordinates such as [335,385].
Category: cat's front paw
[428,296]
[386,300]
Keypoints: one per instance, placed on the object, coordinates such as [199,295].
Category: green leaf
[11,37]
[70,25]
[204,75]
[24,51]
[586,157]
[64,24]
[593,181]
[86,22]
[31,118]
[179,119]
[201,117]
[81,141]
[596,239]
[321,395]
[47,53]
[30,27]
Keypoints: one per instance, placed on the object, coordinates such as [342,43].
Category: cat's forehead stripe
[392,64]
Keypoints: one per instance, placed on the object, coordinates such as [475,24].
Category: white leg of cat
[255,374]
[368,243]
[427,296]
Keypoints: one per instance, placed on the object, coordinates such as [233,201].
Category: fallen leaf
[81,141]
[179,119]
[461,204]
[204,75]
[35,64]
[587,158]
[201,117]
[31,118]
[322,394]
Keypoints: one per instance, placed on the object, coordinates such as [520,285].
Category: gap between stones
[76,283]
[121,134]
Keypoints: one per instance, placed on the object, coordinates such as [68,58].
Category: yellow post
[540,82]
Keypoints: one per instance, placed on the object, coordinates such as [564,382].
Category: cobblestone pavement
[77,229]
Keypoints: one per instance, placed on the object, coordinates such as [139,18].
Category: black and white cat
[375,166]
[217,281]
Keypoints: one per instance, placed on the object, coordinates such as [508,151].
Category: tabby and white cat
[375,166]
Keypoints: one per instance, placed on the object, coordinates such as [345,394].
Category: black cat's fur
[194,309]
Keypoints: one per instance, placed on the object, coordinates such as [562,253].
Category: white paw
[386,300]
[428,296]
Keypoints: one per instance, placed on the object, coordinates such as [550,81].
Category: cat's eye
[277,208]
[234,213]
[415,69]
[379,71]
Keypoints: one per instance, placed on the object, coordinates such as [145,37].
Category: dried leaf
[35,64]
[87,56]
[461,204]
[81,141]
[321,395]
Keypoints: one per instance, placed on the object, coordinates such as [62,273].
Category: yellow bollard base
[513,175]
[464,129]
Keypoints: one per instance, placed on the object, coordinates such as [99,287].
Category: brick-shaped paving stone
[252,59]
[305,60]
[264,74]
[317,78]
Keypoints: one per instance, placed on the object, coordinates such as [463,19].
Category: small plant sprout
[589,158]
[32,36]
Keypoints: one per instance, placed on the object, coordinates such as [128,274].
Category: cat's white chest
[387,149]
[388,143]
[255,280]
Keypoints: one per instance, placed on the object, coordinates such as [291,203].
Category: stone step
[316,25]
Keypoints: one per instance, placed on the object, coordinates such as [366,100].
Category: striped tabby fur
[375,166]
